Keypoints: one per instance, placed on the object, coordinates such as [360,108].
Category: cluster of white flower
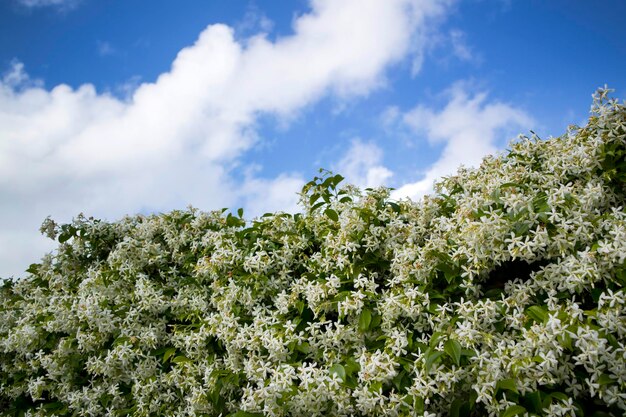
[502,294]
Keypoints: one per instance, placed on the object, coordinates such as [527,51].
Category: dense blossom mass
[501,294]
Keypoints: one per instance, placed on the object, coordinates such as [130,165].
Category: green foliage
[502,294]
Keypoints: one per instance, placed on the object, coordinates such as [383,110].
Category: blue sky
[120,107]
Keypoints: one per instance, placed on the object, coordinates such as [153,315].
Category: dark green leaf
[513,410]
[432,356]
[455,408]
[605,379]
[342,295]
[521,228]
[365,319]
[332,214]
[337,179]
[53,406]
[313,198]
[559,396]
[338,370]
[534,398]
[303,347]
[121,340]
[434,339]
[64,237]
[352,366]
[540,202]
[395,207]
[507,384]
[245,414]
[376,386]
[231,220]
[468,352]
[602,414]
[168,354]
[453,350]
[514,185]
[316,206]
[537,313]
[300,306]
[459,408]
[181,359]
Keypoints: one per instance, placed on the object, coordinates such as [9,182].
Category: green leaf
[507,384]
[537,313]
[332,214]
[300,306]
[338,370]
[495,196]
[64,237]
[419,404]
[566,340]
[57,405]
[514,184]
[395,207]
[232,221]
[432,356]
[33,268]
[605,379]
[351,367]
[240,212]
[336,180]
[601,414]
[245,414]
[303,347]
[449,272]
[434,339]
[513,410]
[453,350]
[181,359]
[168,354]
[534,398]
[313,198]
[316,206]
[376,386]
[540,203]
[559,396]
[459,408]
[468,352]
[376,320]
[342,295]
[365,319]
[121,340]
[521,228]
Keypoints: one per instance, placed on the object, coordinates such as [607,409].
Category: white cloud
[254,20]
[443,47]
[470,127]
[362,165]
[178,140]
[390,116]
[262,195]
[105,49]
[460,48]
[61,4]
[15,77]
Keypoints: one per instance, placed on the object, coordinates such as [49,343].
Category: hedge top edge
[502,294]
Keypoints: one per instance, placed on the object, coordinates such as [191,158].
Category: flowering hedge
[502,294]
